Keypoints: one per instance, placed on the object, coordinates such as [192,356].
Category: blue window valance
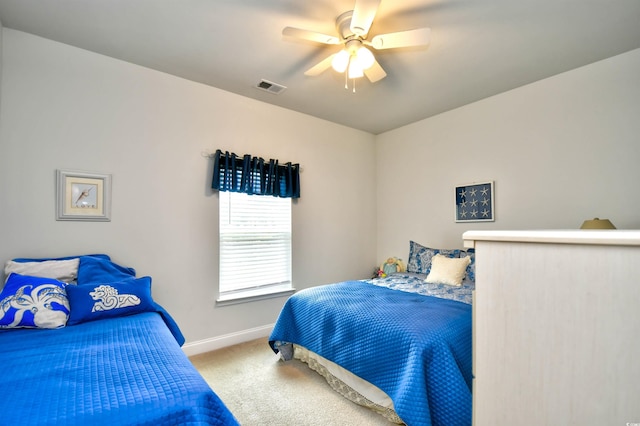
[254,175]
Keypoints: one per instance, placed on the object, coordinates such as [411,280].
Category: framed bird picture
[83,196]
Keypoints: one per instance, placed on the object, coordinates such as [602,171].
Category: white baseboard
[219,342]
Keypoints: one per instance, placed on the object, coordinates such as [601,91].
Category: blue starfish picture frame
[475,202]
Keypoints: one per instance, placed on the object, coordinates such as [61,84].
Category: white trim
[219,342]
[617,237]
[251,295]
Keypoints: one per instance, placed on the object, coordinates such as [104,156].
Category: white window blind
[255,245]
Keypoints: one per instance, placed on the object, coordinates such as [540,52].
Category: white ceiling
[478,47]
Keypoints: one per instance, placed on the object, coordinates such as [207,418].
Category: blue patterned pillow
[471,269]
[420,257]
[33,302]
[91,302]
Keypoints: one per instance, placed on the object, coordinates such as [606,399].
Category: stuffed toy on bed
[391,266]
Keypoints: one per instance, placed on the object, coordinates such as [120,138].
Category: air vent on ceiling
[271,87]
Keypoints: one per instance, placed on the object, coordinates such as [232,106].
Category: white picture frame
[83,196]
[475,202]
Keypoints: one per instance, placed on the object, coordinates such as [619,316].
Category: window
[255,246]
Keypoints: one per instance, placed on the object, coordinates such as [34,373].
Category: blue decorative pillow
[97,268]
[91,302]
[33,302]
[471,269]
[420,257]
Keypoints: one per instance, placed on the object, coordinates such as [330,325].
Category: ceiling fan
[355,58]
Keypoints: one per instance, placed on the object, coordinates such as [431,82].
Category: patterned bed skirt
[349,385]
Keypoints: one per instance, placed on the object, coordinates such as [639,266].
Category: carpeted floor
[259,389]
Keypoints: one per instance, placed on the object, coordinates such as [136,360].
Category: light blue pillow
[90,302]
[33,302]
[420,257]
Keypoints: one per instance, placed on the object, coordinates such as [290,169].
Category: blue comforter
[121,371]
[415,348]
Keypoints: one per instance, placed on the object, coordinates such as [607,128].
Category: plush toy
[391,266]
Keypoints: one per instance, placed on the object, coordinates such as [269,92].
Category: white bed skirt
[348,384]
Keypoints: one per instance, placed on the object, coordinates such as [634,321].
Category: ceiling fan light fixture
[365,58]
[355,68]
[340,61]
[355,60]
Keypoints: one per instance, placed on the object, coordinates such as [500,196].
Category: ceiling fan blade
[320,67]
[363,14]
[310,35]
[375,73]
[418,37]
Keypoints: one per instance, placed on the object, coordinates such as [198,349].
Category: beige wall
[1,31]
[560,150]
[66,108]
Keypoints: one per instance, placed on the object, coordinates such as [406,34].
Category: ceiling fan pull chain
[354,85]
[346,81]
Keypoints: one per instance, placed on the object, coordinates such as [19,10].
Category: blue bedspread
[121,371]
[415,348]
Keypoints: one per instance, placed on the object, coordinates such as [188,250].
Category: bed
[399,345]
[90,346]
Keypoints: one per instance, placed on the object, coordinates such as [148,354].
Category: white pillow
[447,270]
[61,270]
